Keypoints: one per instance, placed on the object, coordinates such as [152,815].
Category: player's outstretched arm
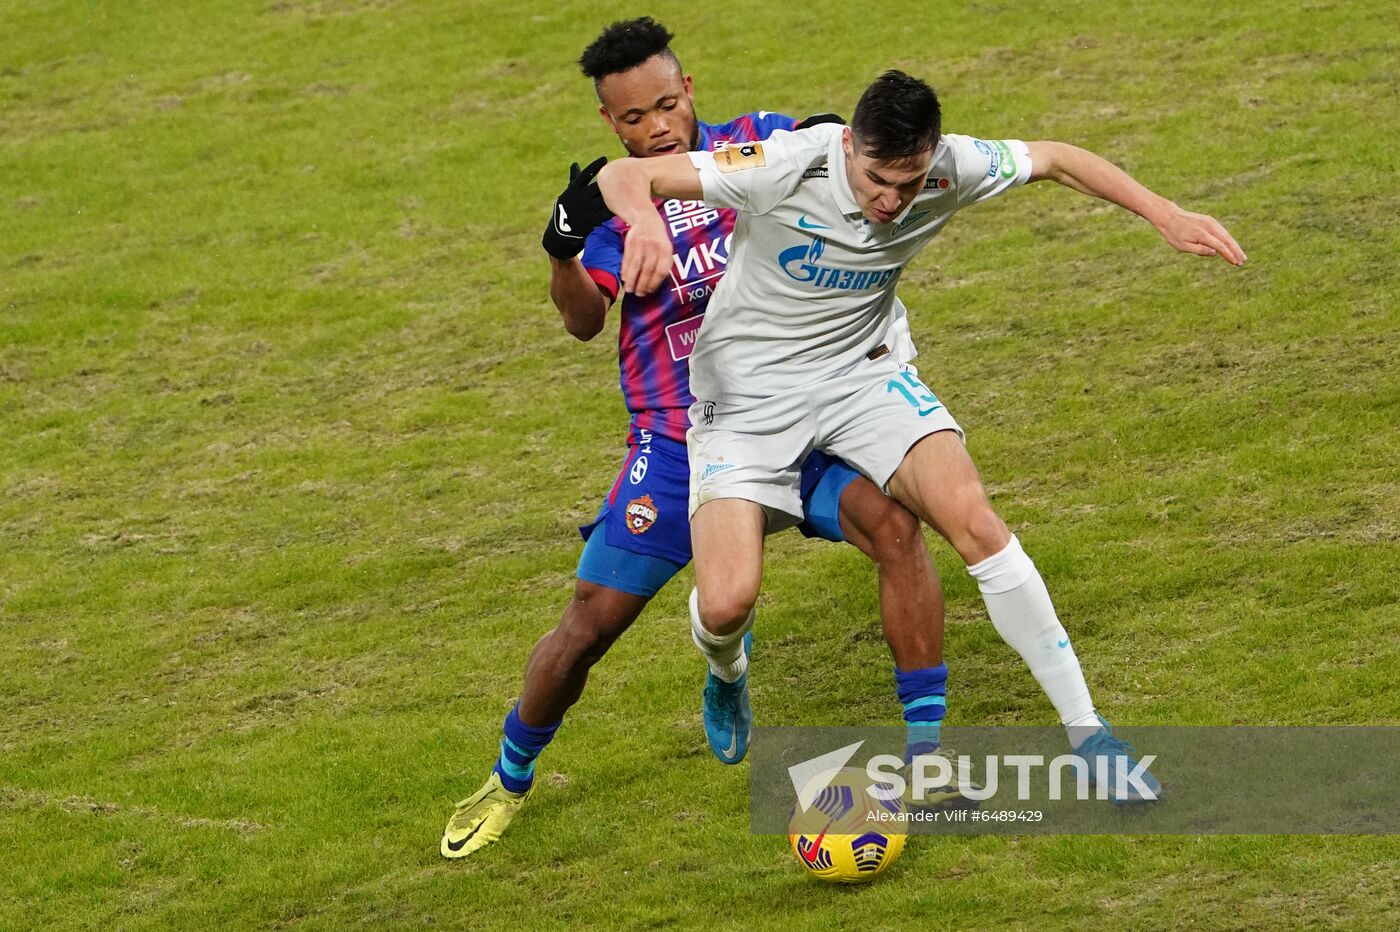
[628,185]
[1090,174]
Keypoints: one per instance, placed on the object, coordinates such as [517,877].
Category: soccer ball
[843,836]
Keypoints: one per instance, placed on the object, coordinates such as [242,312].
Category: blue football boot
[728,714]
[1121,760]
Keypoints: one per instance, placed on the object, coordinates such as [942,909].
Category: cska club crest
[641,514]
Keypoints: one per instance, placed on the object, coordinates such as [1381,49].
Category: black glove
[576,212]
[816,118]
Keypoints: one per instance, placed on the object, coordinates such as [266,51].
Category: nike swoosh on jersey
[1064,643]
[804,224]
[927,411]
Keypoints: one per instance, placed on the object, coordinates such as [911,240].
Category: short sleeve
[602,257]
[985,168]
[754,177]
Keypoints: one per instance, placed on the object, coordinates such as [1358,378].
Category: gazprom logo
[801,263]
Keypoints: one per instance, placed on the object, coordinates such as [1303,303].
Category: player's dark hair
[624,45]
[897,117]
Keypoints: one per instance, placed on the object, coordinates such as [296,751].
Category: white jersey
[810,285]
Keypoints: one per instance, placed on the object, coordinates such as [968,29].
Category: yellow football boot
[481,818]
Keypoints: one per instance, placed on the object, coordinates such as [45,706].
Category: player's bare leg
[911,599]
[938,481]
[558,667]
[726,536]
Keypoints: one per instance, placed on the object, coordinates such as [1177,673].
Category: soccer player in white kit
[790,356]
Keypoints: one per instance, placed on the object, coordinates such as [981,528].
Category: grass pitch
[292,449]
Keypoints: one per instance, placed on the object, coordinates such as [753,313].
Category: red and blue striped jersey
[658,331]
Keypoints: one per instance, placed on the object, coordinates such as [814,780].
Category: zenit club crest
[641,514]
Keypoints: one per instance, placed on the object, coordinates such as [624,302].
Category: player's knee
[895,537]
[582,641]
[724,611]
[984,534]
[589,628]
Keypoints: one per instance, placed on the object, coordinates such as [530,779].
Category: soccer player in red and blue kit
[641,537]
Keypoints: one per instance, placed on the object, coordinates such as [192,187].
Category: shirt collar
[836,171]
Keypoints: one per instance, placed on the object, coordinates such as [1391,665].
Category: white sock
[725,653]
[1025,618]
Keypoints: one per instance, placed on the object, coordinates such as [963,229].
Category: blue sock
[923,694]
[520,746]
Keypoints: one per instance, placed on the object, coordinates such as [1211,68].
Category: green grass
[292,448]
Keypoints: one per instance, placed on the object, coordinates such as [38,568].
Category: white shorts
[752,449]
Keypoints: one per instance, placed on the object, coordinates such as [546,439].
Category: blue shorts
[645,537]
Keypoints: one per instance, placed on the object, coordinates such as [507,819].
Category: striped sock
[520,745]
[923,694]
